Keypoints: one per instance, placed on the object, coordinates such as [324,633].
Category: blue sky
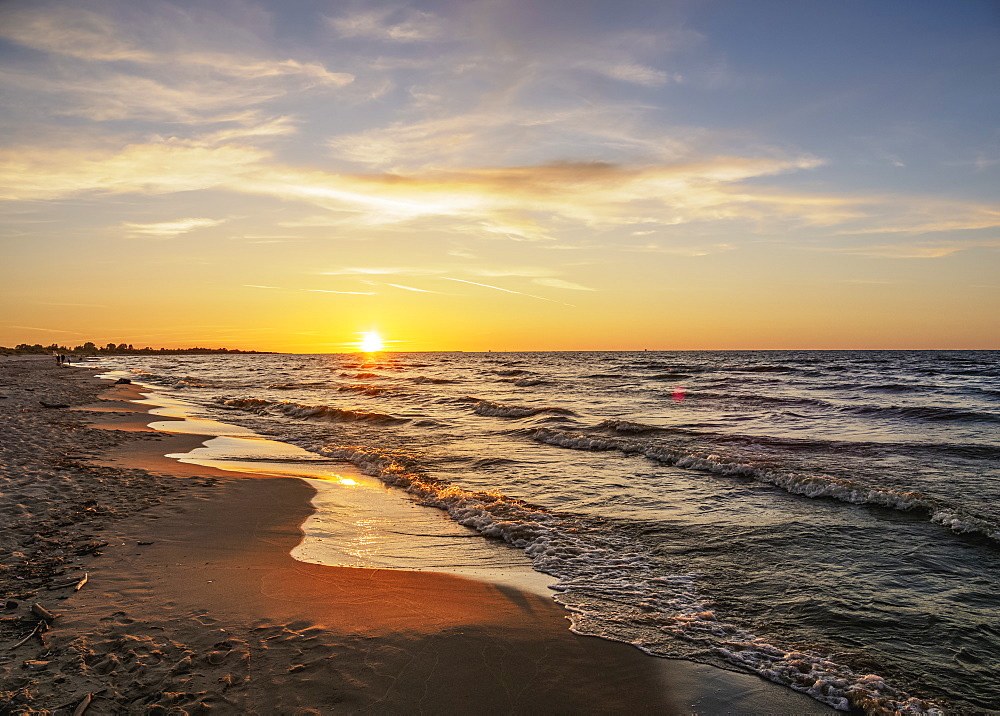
[502,173]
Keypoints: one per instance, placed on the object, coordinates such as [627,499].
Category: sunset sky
[501,174]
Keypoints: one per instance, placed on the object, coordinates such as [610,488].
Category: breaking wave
[499,410]
[308,412]
[371,390]
[615,592]
[797,483]
[924,412]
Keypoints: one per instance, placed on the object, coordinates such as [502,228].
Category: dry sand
[192,603]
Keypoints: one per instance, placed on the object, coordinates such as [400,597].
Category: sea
[829,520]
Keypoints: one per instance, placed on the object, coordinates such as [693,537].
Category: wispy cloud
[380,271]
[536,203]
[505,290]
[511,134]
[44,330]
[349,293]
[122,69]
[411,288]
[389,25]
[73,31]
[632,72]
[484,285]
[559,283]
[154,167]
[923,215]
[170,229]
[918,250]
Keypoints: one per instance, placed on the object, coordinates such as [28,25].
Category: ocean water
[828,520]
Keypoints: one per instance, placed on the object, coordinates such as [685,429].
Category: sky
[501,174]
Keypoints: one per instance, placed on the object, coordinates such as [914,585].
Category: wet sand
[194,604]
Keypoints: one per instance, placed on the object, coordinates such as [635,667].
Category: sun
[371,342]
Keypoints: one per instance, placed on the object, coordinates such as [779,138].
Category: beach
[168,587]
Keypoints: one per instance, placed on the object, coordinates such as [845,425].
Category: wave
[433,381]
[796,483]
[923,412]
[897,388]
[526,382]
[756,399]
[511,372]
[292,386]
[499,410]
[308,412]
[765,369]
[614,592]
[673,368]
[627,427]
[486,462]
[371,390]
[189,382]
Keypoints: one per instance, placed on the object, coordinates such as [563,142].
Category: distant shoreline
[100,352]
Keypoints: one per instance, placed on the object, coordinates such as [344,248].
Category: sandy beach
[164,587]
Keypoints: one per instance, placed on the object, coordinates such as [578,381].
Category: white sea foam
[611,591]
[499,410]
[806,484]
[308,412]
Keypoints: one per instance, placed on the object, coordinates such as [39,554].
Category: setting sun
[371,343]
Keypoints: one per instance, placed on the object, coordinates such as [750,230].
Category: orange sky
[500,175]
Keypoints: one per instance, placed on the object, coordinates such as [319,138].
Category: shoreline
[197,603]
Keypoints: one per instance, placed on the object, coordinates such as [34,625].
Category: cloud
[147,65]
[43,330]
[68,30]
[250,68]
[923,215]
[410,288]
[679,249]
[631,72]
[349,293]
[388,25]
[170,229]
[196,97]
[559,283]
[160,36]
[511,135]
[504,290]
[536,198]
[547,202]
[380,271]
[484,285]
[921,250]
[156,167]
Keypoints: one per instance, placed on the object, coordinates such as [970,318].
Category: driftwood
[39,628]
[42,613]
[82,706]
[77,584]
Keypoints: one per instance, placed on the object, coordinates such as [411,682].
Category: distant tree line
[118,349]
